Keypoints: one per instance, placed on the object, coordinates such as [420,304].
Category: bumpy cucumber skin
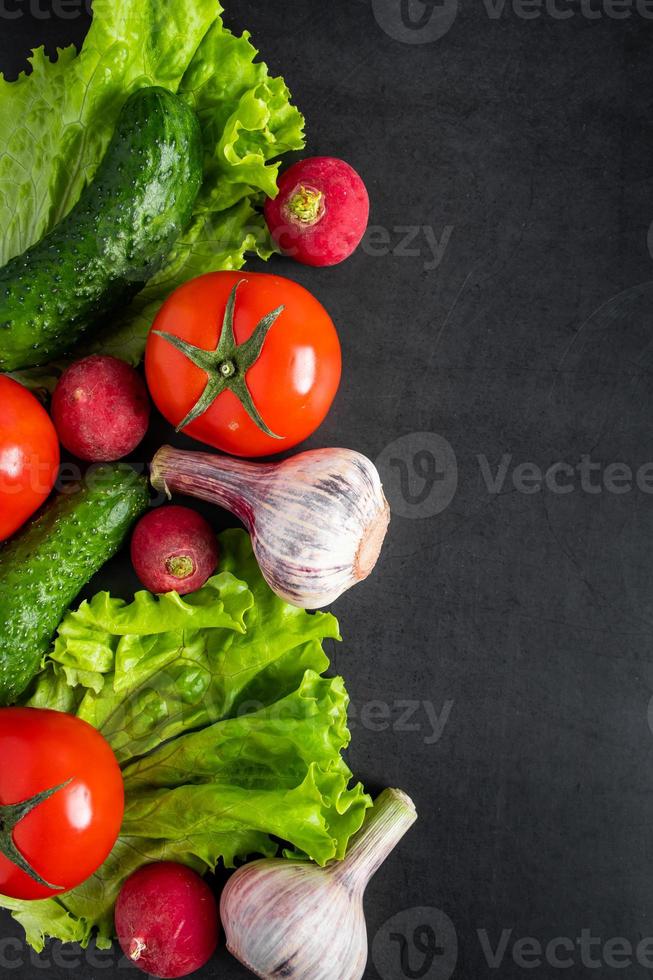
[114,239]
[47,564]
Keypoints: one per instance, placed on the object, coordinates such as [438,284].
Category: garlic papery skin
[293,919]
[281,920]
[317,520]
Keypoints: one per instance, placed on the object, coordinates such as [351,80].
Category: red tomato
[29,455]
[292,382]
[66,837]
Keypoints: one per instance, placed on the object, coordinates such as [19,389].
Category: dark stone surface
[523,620]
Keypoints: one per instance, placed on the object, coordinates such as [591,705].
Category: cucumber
[114,239]
[45,566]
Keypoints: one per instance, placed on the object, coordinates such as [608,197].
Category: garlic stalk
[317,521]
[293,919]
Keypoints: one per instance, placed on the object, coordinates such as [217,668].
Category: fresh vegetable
[256,361]
[227,734]
[61,802]
[116,237]
[29,456]
[100,408]
[317,521]
[321,212]
[293,919]
[44,567]
[57,121]
[174,549]
[167,920]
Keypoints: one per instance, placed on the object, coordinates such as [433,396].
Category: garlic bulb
[317,521]
[293,919]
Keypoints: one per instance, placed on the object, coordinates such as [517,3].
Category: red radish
[167,920]
[320,214]
[100,408]
[174,549]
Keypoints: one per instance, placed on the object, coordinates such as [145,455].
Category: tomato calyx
[10,816]
[227,365]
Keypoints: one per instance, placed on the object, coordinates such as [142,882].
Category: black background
[526,616]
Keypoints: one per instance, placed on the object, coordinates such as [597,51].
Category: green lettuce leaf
[229,736]
[56,123]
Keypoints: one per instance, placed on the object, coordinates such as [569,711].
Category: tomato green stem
[226,366]
[227,369]
[10,817]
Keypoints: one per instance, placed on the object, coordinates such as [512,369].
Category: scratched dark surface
[500,659]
